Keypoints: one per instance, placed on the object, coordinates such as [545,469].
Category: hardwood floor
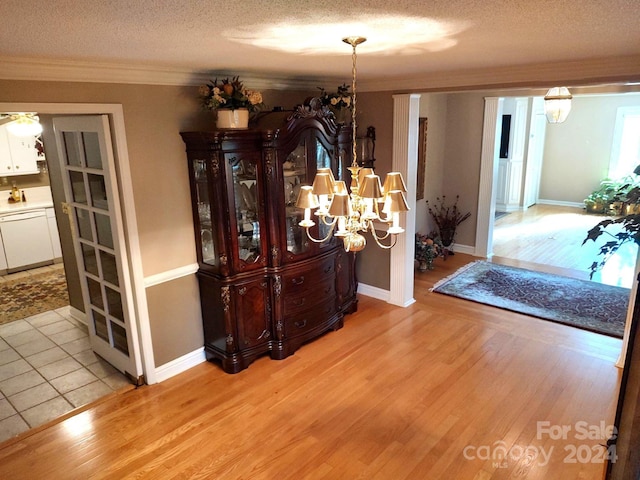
[432,391]
[551,235]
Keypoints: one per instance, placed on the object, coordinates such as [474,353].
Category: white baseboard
[374,292]
[466,249]
[181,364]
[560,203]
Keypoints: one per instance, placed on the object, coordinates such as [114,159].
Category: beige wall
[376,109]
[154,115]
[465,113]
[579,149]
[174,308]
[433,107]
[441,176]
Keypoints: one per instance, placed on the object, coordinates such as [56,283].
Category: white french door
[85,153]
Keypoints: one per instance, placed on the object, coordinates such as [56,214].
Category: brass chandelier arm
[377,239]
[315,240]
[323,219]
[373,230]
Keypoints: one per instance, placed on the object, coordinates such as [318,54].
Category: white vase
[237,119]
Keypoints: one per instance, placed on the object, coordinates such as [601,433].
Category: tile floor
[47,368]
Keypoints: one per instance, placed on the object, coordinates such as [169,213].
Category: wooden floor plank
[397,393]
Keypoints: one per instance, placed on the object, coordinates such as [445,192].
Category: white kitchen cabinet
[18,155]
[53,233]
[26,238]
[3,258]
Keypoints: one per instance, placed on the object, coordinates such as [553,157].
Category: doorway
[544,211]
[487,193]
[140,344]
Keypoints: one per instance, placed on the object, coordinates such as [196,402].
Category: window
[625,151]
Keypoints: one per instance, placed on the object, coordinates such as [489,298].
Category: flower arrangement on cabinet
[338,102]
[339,99]
[231,95]
[447,219]
[428,248]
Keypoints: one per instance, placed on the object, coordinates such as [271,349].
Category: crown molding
[619,70]
[12,68]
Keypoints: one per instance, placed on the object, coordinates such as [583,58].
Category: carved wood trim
[226,298]
[277,287]
[215,167]
[314,109]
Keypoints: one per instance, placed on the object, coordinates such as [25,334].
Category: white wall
[577,152]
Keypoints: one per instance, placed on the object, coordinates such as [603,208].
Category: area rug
[579,303]
[32,294]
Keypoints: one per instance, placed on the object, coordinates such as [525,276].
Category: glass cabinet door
[244,172]
[323,160]
[207,245]
[295,175]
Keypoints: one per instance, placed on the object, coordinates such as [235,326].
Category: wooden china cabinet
[264,286]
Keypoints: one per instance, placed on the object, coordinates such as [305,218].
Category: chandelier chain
[354,147]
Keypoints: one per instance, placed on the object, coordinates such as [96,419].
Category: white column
[406,111]
[488,173]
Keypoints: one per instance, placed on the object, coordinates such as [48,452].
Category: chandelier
[557,104]
[351,212]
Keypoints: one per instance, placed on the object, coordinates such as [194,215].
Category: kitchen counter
[37,197]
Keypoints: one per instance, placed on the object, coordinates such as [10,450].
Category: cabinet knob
[298,281]
[301,324]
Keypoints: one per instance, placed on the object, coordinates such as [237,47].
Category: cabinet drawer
[294,303]
[307,280]
[310,318]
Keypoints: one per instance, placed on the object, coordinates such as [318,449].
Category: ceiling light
[355,211]
[557,104]
[307,37]
[24,125]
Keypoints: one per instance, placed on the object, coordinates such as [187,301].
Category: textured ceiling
[302,39]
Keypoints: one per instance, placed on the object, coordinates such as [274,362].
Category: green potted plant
[630,223]
[603,199]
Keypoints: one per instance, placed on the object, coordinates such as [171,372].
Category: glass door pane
[247,214]
[323,160]
[295,175]
[207,245]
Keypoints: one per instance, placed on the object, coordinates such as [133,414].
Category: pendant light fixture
[351,212]
[557,104]
[22,124]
